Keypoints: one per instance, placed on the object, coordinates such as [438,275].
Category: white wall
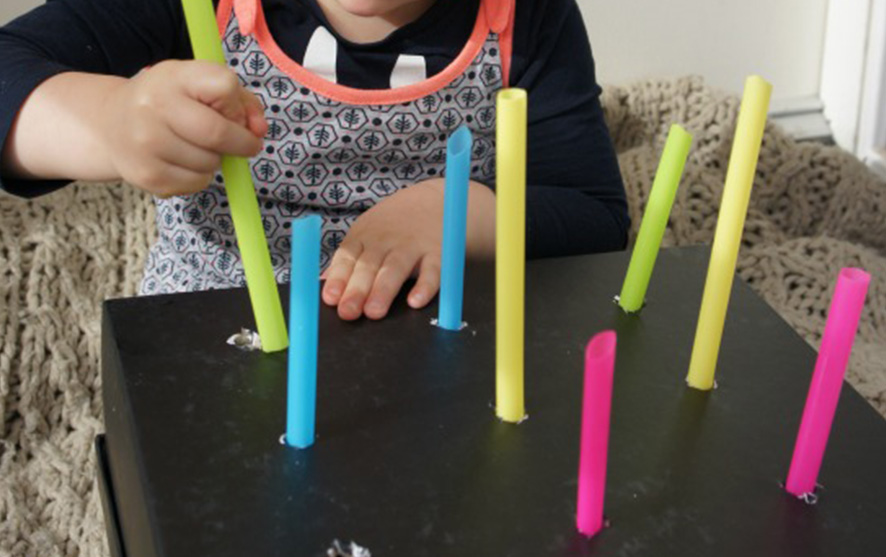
[10,9]
[722,40]
[843,68]
[871,139]
[853,85]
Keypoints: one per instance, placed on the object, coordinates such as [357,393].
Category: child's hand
[168,127]
[398,238]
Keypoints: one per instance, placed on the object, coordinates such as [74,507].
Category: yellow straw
[269,320]
[727,238]
[510,253]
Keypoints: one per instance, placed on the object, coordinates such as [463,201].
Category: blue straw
[455,218]
[304,316]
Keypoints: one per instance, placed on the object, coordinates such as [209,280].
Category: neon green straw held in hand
[655,219]
[269,320]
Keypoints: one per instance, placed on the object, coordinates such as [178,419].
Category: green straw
[655,219]
[269,320]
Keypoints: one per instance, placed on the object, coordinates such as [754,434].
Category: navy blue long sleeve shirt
[576,201]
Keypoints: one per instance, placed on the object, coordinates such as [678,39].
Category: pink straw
[827,380]
[599,368]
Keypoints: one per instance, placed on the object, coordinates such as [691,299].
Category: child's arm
[576,199]
[164,130]
[64,117]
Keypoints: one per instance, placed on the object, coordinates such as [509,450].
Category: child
[344,107]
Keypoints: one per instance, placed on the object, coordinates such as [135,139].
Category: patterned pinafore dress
[330,150]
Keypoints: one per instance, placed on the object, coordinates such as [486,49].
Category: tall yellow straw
[510,253]
[269,320]
[727,238]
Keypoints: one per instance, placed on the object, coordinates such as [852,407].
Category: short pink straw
[599,368]
[827,380]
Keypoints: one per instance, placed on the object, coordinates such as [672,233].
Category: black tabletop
[410,459]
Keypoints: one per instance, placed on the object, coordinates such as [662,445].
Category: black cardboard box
[411,461]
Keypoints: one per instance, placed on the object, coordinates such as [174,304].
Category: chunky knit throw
[814,209]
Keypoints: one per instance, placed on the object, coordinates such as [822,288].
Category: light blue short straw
[455,220]
[304,316]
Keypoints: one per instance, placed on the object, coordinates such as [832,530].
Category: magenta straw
[599,368]
[827,380]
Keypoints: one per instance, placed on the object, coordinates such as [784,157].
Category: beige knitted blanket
[814,210]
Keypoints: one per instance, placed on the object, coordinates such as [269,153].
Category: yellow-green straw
[269,320]
[655,219]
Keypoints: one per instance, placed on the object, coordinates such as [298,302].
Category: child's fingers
[212,85]
[339,271]
[428,282]
[166,180]
[176,151]
[219,88]
[201,125]
[255,114]
[365,270]
[394,271]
